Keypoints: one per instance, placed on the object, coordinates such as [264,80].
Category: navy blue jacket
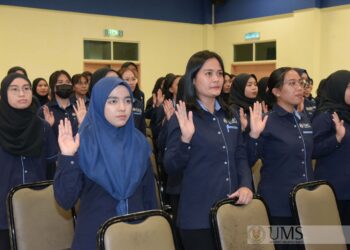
[285,148]
[59,114]
[214,164]
[333,158]
[96,204]
[16,170]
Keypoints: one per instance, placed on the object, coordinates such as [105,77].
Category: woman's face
[82,87]
[227,84]
[130,78]
[63,79]
[42,88]
[347,95]
[292,89]
[209,80]
[118,106]
[19,94]
[251,89]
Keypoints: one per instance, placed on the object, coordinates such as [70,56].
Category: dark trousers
[200,239]
[4,239]
[287,221]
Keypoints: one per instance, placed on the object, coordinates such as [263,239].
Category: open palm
[185,122]
[68,144]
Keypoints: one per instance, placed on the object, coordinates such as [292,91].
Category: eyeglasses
[15,90]
[294,83]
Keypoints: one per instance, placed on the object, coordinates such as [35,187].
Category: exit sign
[252,36]
[113,33]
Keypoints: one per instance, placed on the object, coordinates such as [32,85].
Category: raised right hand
[68,145]
[257,123]
[48,115]
[185,122]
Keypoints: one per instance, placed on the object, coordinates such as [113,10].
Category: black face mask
[64,90]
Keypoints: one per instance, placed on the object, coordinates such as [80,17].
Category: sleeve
[253,148]
[69,181]
[157,120]
[244,172]
[177,153]
[51,144]
[325,141]
[149,190]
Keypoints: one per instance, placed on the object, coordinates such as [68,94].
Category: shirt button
[223,147]
[299,137]
[303,175]
[25,171]
[219,133]
[225,162]
[295,126]
[72,162]
[302,150]
[226,179]
[302,162]
[189,147]
[214,119]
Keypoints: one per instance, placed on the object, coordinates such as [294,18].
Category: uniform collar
[282,112]
[217,105]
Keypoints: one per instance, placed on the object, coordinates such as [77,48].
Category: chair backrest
[150,230]
[231,223]
[36,221]
[314,204]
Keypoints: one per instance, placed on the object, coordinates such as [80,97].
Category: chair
[36,222]
[233,224]
[314,204]
[150,230]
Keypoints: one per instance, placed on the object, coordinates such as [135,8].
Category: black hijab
[238,98]
[333,92]
[20,129]
[42,99]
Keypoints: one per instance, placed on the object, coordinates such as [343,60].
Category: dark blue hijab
[115,158]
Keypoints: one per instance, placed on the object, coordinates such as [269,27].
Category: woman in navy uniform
[284,143]
[27,143]
[332,139]
[108,168]
[206,146]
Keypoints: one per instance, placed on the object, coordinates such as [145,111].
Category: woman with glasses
[27,143]
[284,143]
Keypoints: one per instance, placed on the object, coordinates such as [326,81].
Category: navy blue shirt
[96,204]
[139,116]
[285,149]
[16,170]
[214,165]
[59,114]
[333,158]
[310,107]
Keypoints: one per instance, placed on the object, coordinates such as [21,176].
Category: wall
[45,40]
[315,39]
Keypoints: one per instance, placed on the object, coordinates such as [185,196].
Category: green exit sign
[252,36]
[113,33]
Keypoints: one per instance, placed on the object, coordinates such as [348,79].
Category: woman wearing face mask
[41,90]
[130,76]
[284,143]
[60,106]
[27,143]
[332,139]
[106,165]
[206,146]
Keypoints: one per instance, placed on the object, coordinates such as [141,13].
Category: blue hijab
[115,158]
